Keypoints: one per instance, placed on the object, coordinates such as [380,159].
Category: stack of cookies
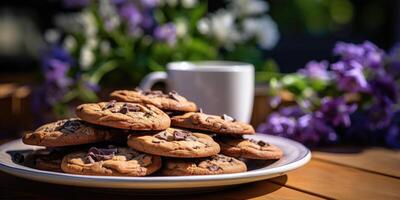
[138,133]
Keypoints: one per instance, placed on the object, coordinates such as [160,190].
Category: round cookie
[217,124]
[218,164]
[69,132]
[175,143]
[247,148]
[130,116]
[110,161]
[171,101]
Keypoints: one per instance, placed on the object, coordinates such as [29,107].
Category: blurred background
[116,43]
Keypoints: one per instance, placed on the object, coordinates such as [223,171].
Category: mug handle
[154,77]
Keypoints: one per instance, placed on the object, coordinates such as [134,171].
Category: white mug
[217,87]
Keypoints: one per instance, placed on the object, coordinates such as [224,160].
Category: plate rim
[254,174]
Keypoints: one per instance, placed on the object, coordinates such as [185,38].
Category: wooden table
[334,173]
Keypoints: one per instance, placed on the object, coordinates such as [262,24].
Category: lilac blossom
[392,137]
[368,54]
[166,32]
[132,15]
[350,76]
[316,70]
[280,125]
[148,20]
[313,130]
[336,111]
[380,114]
[348,51]
[385,87]
[149,4]
[55,66]
[292,111]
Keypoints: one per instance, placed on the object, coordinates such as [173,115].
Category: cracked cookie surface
[130,116]
[69,132]
[218,164]
[171,101]
[175,143]
[112,161]
[248,148]
[217,124]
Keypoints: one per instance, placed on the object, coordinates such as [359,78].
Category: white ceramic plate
[295,155]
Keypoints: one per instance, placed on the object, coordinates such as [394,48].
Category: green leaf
[86,95]
[103,69]
[154,66]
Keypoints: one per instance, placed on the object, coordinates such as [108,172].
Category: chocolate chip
[70,126]
[156,141]
[200,110]
[110,104]
[228,118]
[162,136]
[214,168]
[129,108]
[176,96]
[261,143]
[181,135]
[97,154]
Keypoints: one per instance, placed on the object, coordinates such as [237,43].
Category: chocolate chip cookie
[171,101]
[131,116]
[218,164]
[69,132]
[175,143]
[248,148]
[111,161]
[217,124]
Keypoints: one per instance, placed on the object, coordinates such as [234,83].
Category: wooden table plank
[17,188]
[341,182]
[378,160]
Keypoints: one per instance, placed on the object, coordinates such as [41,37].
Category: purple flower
[367,54]
[385,87]
[150,3]
[380,114]
[336,111]
[392,138]
[316,70]
[275,101]
[278,124]
[55,66]
[350,76]
[166,32]
[348,51]
[92,86]
[292,111]
[132,15]
[148,20]
[313,130]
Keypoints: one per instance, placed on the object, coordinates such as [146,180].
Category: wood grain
[378,160]
[16,188]
[340,182]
